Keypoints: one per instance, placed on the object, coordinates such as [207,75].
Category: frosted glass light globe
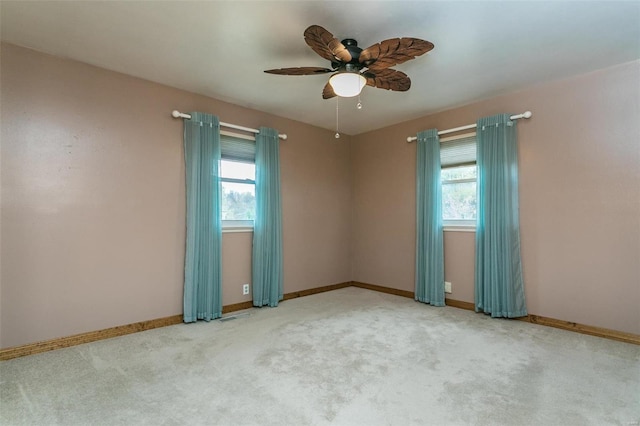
[347,84]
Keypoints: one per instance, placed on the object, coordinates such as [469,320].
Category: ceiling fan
[353,67]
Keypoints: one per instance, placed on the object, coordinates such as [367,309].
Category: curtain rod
[526,114]
[178,114]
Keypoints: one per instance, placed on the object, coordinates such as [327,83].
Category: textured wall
[579,199]
[92,220]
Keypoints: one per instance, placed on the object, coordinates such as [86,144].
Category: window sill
[459,228]
[234,229]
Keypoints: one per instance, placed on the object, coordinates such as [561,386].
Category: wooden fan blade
[394,51]
[388,79]
[299,71]
[325,44]
[327,92]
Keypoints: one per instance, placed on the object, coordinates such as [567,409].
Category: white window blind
[237,149]
[458,152]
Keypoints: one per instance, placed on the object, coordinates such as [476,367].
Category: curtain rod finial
[527,114]
[175,113]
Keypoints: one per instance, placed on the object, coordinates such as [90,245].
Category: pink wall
[579,199]
[92,219]
[93,210]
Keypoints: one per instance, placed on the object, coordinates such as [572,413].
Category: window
[458,175]
[237,180]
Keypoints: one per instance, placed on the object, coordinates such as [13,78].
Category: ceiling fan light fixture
[347,84]
[348,60]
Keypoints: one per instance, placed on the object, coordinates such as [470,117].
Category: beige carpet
[347,357]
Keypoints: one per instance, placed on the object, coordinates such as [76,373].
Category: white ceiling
[220,48]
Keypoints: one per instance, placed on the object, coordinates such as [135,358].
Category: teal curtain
[267,232]
[429,240]
[498,278]
[202,269]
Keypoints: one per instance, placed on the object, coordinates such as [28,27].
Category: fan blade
[388,79]
[325,44]
[328,92]
[394,51]
[299,71]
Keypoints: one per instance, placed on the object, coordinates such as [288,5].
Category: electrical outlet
[245,289]
[447,287]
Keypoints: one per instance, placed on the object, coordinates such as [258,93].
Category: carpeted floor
[346,357]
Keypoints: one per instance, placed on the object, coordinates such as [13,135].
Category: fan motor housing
[354,64]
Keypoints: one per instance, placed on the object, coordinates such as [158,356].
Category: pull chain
[337,110]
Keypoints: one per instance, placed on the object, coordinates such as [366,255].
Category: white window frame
[459,225]
[237,225]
